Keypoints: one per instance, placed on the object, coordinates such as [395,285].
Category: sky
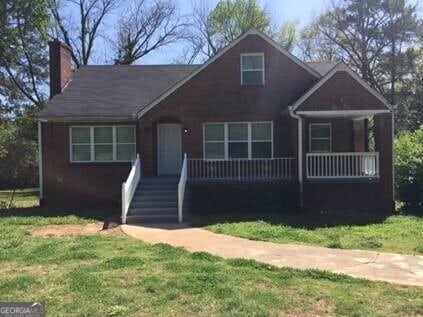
[279,10]
[302,11]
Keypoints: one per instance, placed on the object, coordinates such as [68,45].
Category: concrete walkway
[389,267]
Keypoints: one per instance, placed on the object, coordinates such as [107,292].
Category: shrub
[409,167]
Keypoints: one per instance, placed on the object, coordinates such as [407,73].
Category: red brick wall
[77,184]
[341,92]
[342,134]
[216,95]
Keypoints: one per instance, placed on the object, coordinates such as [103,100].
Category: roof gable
[179,84]
[341,89]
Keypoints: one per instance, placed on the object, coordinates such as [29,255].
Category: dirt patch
[76,230]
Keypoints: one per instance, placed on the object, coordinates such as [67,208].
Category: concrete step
[153,210]
[158,198]
[164,192]
[155,204]
[156,187]
[153,181]
[151,219]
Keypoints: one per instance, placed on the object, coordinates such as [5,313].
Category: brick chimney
[61,67]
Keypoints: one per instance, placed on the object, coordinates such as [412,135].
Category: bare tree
[80,36]
[145,28]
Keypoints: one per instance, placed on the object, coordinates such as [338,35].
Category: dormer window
[252,69]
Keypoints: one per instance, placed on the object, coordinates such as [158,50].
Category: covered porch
[347,160]
[345,145]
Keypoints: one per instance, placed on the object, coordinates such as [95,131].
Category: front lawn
[106,275]
[396,233]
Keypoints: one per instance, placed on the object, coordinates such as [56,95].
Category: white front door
[169,148]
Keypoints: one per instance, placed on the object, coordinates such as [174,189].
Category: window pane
[125,152]
[261,149]
[238,149]
[252,62]
[103,152]
[252,77]
[261,131]
[320,145]
[214,132]
[125,134]
[81,153]
[103,135]
[238,132]
[214,150]
[80,135]
[320,131]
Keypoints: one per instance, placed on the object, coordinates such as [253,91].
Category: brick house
[252,128]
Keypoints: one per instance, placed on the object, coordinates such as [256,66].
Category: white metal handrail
[129,187]
[181,188]
[241,169]
[343,165]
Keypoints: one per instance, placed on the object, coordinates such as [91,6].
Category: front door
[169,148]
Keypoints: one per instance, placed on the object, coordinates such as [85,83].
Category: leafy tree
[18,163]
[409,114]
[23,57]
[377,38]
[231,18]
[409,167]
[212,29]
[287,36]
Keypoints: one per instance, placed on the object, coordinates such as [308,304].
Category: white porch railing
[343,165]
[129,187]
[181,188]
[241,169]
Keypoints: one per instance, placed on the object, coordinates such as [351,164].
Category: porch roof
[352,114]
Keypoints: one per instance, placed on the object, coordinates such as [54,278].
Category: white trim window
[320,137]
[238,140]
[102,143]
[252,69]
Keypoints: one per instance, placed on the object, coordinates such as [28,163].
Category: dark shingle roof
[119,92]
[113,91]
[322,67]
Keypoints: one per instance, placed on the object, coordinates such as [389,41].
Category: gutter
[300,151]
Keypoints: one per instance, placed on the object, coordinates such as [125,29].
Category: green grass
[103,275]
[117,276]
[23,197]
[395,233]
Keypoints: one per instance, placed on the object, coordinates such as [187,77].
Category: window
[252,69]
[320,137]
[238,140]
[214,141]
[102,143]
[261,140]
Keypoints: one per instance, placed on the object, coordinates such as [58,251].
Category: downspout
[40,162]
[300,151]
[393,157]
